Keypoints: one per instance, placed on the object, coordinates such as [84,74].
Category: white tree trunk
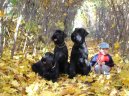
[1,45]
[15,35]
[25,45]
[16,32]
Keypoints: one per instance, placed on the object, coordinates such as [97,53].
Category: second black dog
[60,52]
[79,54]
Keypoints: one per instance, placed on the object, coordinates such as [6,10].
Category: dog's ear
[76,29]
[74,33]
[54,34]
[84,32]
[42,59]
[63,33]
[72,36]
[52,37]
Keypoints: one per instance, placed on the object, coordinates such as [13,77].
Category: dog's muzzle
[78,38]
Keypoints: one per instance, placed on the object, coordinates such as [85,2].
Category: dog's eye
[44,62]
[55,39]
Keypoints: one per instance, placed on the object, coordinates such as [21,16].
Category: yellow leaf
[83,95]
[60,24]
[65,14]
[31,75]
[15,83]
[47,93]
[126,61]
[116,45]
[117,58]
[55,85]
[32,89]
[1,13]
[68,90]
[114,92]
[89,79]
[16,57]
[83,78]
[113,25]
[8,89]
[71,1]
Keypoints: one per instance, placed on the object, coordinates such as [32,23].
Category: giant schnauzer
[60,52]
[79,53]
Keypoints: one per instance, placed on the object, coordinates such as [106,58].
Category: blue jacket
[110,63]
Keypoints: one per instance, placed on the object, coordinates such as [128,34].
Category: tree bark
[1,37]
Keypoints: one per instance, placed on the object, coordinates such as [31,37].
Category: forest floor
[17,78]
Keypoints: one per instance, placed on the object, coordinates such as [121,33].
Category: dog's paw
[54,80]
[71,75]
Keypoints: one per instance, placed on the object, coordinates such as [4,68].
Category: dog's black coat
[45,67]
[79,54]
[60,52]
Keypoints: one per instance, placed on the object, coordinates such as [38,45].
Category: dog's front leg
[54,75]
[86,67]
[84,70]
[56,68]
[72,67]
[72,70]
[66,67]
[82,66]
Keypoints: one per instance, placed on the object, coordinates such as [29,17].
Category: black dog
[60,52]
[79,54]
[46,67]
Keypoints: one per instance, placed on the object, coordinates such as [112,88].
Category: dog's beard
[79,38]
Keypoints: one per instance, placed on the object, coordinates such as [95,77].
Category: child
[102,61]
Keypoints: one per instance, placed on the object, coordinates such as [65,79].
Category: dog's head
[58,37]
[78,36]
[48,60]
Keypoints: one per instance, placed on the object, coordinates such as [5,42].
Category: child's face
[104,51]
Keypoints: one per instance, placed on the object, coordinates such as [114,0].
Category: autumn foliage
[17,78]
